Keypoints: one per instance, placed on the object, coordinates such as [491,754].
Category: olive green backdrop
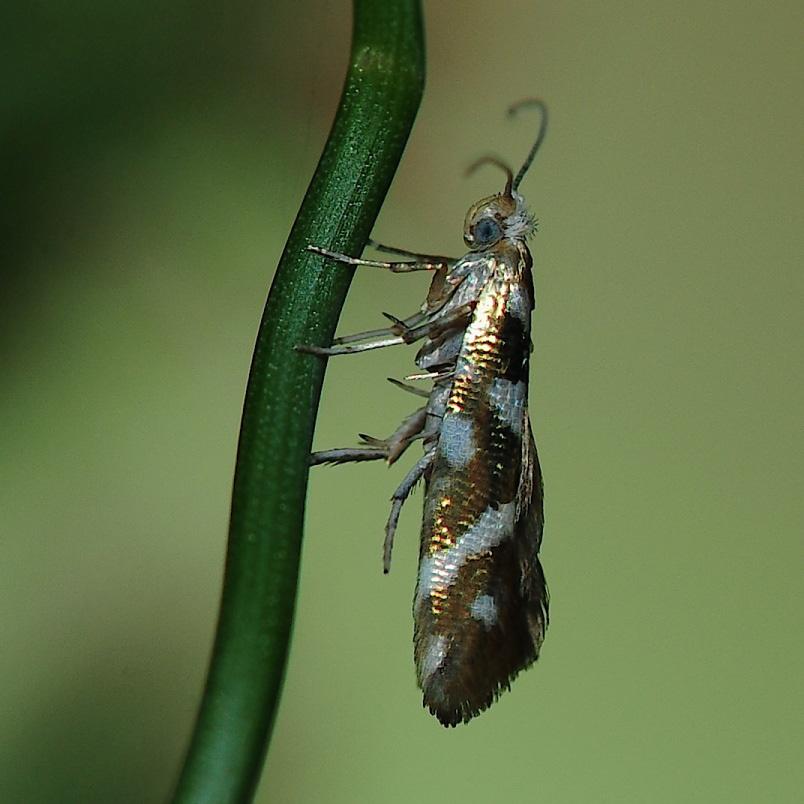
[153,160]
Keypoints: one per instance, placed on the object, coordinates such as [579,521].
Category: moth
[481,602]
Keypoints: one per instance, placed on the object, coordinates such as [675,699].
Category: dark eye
[487,231]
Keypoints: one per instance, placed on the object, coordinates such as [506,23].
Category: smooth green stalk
[379,103]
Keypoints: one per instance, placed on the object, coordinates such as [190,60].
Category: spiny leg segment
[389,449]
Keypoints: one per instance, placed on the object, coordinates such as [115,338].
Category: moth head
[499,217]
[486,221]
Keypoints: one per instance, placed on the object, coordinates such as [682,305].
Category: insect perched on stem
[481,602]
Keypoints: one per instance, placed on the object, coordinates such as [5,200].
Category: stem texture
[382,92]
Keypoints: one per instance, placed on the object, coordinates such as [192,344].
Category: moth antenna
[492,160]
[542,106]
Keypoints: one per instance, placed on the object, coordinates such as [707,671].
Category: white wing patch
[484,608]
[457,441]
[491,528]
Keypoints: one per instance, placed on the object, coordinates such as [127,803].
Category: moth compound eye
[487,231]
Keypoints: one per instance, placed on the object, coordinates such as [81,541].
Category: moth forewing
[481,603]
[479,616]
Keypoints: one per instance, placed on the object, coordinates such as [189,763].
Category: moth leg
[411,429]
[397,267]
[411,321]
[403,252]
[350,348]
[435,375]
[375,449]
[371,339]
[457,319]
[396,335]
[347,455]
[398,500]
[409,388]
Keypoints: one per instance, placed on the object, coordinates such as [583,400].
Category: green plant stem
[379,103]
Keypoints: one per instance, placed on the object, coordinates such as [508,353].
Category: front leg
[397,267]
[418,257]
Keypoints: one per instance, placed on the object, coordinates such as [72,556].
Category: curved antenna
[492,160]
[539,137]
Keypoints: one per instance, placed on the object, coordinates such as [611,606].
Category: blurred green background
[153,159]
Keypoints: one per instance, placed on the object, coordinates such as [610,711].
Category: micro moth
[481,602]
